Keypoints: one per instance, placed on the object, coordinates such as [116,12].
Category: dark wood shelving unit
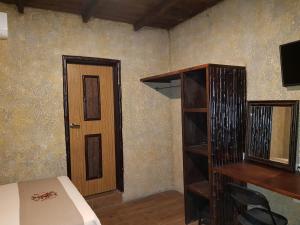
[194,99]
[213,99]
[163,78]
[200,188]
[194,128]
[197,149]
[195,109]
[168,77]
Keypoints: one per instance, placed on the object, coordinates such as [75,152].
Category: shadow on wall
[172,89]
[293,88]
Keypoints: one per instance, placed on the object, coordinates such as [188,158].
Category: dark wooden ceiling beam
[20,6]
[89,10]
[154,13]
[159,10]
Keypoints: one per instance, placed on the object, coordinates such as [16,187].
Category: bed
[53,201]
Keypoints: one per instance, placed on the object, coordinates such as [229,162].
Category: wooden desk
[267,177]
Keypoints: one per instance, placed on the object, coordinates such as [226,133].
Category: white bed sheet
[10,203]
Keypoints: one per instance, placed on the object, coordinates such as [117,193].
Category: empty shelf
[200,188]
[195,109]
[197,149]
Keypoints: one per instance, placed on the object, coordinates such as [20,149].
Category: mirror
[272,133]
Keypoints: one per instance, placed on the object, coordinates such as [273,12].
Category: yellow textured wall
[240,32]
[247,33]
[31,105]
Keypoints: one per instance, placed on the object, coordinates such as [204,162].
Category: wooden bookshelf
[163,78]
[194,100]
[200,188]
[207,93]
[195,109]
[197,149]
[173,75]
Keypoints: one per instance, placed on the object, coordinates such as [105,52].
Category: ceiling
[154,13]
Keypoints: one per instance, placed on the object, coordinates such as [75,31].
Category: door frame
[116,65]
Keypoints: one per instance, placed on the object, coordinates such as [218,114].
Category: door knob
[74,126]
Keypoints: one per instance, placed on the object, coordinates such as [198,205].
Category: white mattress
[9,203]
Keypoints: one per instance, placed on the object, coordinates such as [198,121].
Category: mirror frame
[294,104]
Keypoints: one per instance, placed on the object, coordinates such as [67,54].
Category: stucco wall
[31,105]
[241,32]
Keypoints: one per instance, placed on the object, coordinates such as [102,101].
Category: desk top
[276,180]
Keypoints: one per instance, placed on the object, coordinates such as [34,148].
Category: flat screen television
[290,63]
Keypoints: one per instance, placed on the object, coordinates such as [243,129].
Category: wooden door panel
[89,85]
[91,97]
[93,156]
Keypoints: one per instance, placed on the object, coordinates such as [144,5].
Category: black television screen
[290,63]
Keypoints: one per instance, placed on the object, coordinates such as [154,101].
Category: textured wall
[242,32]
[31,105]
[32,145]
[177,139]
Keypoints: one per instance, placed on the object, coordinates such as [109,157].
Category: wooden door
[92,137]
